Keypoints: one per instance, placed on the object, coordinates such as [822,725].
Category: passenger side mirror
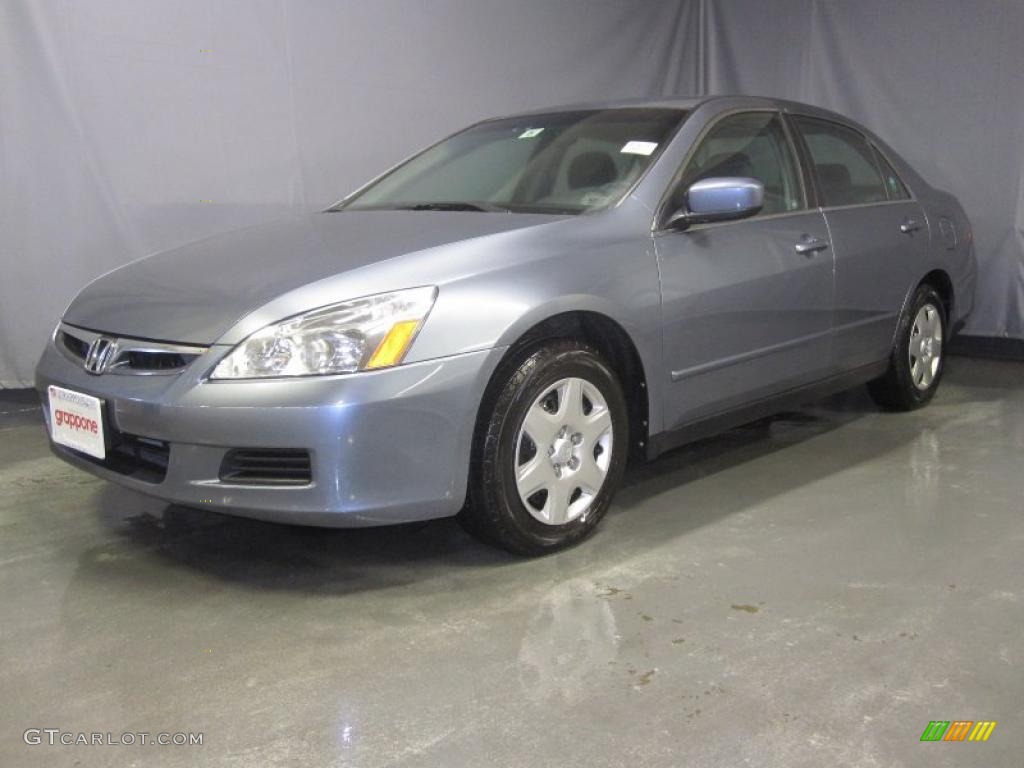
[723,198]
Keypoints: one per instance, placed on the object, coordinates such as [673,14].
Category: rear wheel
[550,450]
[917,361]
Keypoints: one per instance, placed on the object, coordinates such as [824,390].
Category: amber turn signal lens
[393,346]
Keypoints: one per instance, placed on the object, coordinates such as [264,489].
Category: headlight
[372,332]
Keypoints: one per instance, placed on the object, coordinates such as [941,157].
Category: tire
[535,430]
[914,370]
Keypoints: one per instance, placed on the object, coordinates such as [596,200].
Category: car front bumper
[385,446]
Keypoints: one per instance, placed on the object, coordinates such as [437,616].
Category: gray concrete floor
[808,591]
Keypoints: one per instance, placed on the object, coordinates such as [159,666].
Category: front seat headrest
[591,169]
[728,164]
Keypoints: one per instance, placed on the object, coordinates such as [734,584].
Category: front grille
[140,458]
[266,466]
[155,361]
[77,347]
[130,356]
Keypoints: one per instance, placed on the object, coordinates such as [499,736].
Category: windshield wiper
[454,206]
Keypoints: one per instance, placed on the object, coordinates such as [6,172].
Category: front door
[747,305]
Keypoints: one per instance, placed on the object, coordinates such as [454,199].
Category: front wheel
[918,357]
[550,451]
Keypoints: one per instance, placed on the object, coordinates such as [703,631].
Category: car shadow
[270,556]
[695,485]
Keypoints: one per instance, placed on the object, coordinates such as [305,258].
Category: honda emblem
[101,354]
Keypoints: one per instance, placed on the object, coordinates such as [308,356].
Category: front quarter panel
[603,263]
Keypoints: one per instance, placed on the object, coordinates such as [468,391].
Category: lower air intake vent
[141,458]
[266,466]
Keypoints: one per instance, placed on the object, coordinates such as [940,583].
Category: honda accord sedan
[493,327]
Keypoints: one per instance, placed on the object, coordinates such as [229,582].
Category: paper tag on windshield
[529,133]
[639,147]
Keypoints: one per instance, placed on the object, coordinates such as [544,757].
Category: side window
[893,184]
[752,145]
[844,163]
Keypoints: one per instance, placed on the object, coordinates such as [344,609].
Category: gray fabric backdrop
[134,126]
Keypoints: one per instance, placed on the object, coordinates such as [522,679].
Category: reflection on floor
[810,590]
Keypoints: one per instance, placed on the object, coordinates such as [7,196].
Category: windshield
[563,162]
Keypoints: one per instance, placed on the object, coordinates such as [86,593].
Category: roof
[687,103]
[669,102]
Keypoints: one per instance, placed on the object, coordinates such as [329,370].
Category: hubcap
[925,346]
[563,451]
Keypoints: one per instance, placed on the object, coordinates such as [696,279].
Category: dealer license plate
[76,421]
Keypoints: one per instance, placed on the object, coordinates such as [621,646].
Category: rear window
[844,163]
[894,186]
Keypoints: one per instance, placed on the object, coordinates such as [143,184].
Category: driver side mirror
[724,198]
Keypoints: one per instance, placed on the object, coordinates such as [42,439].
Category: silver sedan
[495,326]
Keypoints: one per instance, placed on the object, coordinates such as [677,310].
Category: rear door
[879,238]
[746,305]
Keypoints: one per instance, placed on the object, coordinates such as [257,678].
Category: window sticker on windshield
[637,147]
[529,133]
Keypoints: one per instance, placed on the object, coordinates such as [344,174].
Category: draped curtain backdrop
[130,127]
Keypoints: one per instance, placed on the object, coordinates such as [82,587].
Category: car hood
[193,294]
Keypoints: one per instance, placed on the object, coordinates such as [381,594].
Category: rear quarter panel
[951,249]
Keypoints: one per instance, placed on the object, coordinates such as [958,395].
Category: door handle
[810,244]
[909,226]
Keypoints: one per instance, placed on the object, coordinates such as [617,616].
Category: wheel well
[940,281]
[615,345]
